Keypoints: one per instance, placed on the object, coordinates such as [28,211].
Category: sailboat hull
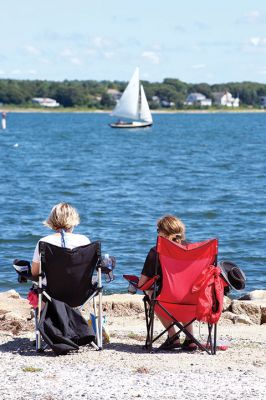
[129,125]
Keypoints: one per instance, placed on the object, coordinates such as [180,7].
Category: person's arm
[35,268]
[148,268]
[143,279]
[35,264]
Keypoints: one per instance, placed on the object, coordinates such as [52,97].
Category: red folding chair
[192,289]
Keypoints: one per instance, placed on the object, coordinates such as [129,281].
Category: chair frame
[149,308]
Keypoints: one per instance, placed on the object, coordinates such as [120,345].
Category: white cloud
[109,54]
[69,54]
[199,66]
[255,41]
[2,72]
[16,72]
[75,61]
[252,17]
[100,41]
[32,50]
[32,72]
[151,56]
[256,45]
[66,53]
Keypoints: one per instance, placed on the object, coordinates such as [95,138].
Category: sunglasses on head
[176,238]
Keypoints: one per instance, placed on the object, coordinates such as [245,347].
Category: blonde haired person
[172,228]
[62,220]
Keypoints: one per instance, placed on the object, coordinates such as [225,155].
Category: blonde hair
[170,225]
[62,216]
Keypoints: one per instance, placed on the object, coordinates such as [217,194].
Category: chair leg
[215,339]
[100,325]
[96,323]
[147,321]
[151,327]
[149,317]
[37,332]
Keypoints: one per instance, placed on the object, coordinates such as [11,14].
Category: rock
[227,316]
[242,319]
[227,303]
[263,314]
[236,319]
[251,309]
[10,294]
[125,304]
[14,312]
[255,295]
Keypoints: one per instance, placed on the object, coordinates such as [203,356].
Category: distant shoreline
[84,111]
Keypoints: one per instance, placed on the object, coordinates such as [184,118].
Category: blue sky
[195,40]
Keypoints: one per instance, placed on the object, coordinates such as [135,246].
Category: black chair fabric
[69,272]
[63,328]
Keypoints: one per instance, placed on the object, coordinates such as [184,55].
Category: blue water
[208,169]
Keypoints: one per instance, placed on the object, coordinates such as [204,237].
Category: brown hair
[170,225]
[62,216]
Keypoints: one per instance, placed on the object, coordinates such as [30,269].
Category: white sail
[128,105]
[133,105]
[145,113]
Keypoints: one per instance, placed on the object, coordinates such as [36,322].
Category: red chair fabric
[191,284]
[134,280]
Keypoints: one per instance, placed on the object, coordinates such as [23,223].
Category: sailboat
[133,105]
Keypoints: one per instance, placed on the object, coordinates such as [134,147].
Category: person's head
[62,216]
[171,228]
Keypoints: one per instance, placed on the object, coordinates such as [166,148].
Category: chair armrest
[134,280]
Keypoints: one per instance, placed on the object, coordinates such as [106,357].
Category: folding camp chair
[70,280]
[192,289]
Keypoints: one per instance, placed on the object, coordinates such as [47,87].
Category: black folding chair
[71,279]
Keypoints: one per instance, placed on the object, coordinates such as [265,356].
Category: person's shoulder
[81,238]
[153,250]
[47,238]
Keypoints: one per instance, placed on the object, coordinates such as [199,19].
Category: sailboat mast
[139,101]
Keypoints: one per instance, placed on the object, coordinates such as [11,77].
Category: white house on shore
[197,99]
[45,102]
[225,99]
[115,94]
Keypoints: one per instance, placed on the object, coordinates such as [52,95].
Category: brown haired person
[62,220]
[173,229]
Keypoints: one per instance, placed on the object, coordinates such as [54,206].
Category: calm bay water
[208,169]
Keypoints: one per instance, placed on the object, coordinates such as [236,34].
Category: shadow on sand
[23,347]
[26,347]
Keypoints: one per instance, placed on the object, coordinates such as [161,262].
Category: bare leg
[166,323]
[188,344]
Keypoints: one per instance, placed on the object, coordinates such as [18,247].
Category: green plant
[31,369]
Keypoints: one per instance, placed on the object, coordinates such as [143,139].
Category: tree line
[94,94]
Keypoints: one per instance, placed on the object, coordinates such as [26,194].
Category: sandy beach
[124,370]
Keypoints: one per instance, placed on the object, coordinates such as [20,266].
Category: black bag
[63,328]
